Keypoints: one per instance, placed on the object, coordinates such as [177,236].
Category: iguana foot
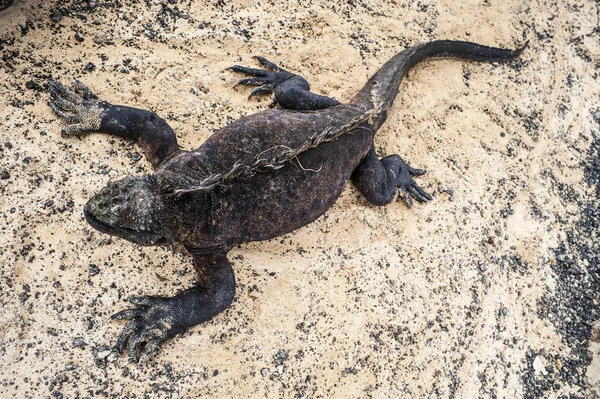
[80,108]
[267,79]
[379,180]
[291,91]
[154,321]
[404,179]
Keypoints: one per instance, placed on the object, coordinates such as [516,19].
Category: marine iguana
[260,177]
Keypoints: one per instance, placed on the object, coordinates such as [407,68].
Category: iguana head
[129,209]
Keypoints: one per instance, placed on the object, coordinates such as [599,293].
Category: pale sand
[446,299]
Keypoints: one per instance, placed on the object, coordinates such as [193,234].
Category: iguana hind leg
[85,113]
[379,180]
[291,91]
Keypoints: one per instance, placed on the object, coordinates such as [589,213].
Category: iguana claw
[409,187]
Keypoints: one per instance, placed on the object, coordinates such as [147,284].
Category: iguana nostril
[119,200]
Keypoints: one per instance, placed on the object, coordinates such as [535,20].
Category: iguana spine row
[261,164]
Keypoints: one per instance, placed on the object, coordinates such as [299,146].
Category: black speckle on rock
[150,33]
[94,269]
[5,175]
[90,66]
[281,356]
[572,308]
[56,16]
[31,85]
[17,103]
[79,343]
[103,354]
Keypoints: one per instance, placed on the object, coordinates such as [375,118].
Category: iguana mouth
[139,237]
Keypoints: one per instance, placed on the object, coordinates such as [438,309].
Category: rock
[56,16]
[93,269]
[538,366]
[109,298]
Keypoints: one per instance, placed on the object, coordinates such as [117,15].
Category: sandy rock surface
[490,290]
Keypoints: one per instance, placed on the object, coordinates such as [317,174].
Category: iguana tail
[382,88]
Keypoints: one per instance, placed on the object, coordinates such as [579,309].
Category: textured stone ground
[490,290]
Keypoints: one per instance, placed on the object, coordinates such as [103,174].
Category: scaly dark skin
[4,4]
[176,204]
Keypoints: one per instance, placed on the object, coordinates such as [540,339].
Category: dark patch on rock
[573,308]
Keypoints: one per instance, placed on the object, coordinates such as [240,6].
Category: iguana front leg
[156,319]
[85,113]
[291,91]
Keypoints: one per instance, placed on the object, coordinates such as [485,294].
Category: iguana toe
[267,79]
